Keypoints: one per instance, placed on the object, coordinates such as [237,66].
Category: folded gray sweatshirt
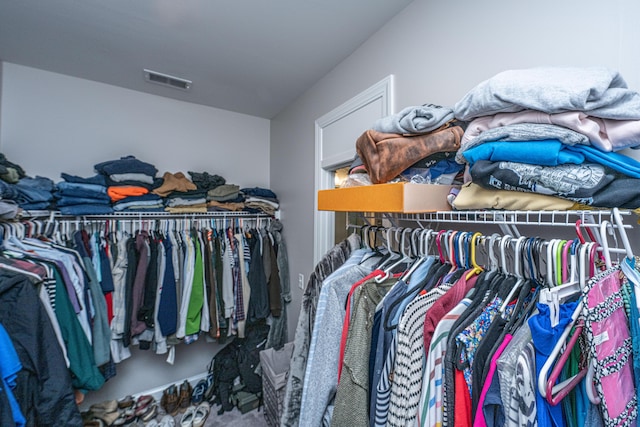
[412,120]
[599,91]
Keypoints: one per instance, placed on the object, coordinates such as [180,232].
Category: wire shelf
[543,218]
[144,215]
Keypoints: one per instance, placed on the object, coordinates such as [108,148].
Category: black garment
[589,183]
[43,387]
[259,298]
[217,265]
[210,282]
[485,291]
[132,262]
[207,182]
[6,414]
[145,313]
[273,279]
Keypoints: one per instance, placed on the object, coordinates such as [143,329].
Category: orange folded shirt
[120,192]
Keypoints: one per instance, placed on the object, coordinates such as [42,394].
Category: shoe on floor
[167,421]
[197,396]
[208,394]
[107,417]
[187,418]
[170,400]
[106,406]
[150,412]
[201,414]
[184,397]
[126,402]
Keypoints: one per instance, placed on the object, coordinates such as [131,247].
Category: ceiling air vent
[167,80]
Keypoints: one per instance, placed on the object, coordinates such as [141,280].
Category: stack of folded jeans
[34,193]
[82,196]
[260,200]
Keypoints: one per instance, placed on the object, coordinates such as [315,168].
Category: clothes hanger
[422,253]
[406,259]
[552,392]
[392,255]
[517,271]
[617,219]
[475,268]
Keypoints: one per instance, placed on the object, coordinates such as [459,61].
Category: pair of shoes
[143,404]
[201,414]
[184,397]
[197,396]
[195,416]
[170,400]
[187,418]
[149,412]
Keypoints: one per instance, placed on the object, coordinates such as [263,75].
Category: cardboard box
[401,197]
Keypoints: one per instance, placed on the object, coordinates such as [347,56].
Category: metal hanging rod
[545,218]
[140,215]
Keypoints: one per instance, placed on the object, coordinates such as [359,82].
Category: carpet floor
[233,418]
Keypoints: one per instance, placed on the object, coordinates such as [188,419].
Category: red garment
[108,297]
[463,402]
[445,304]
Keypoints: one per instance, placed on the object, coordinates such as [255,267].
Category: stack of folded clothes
[19,190]
[225,197]
[547,138]
[186,202]
[417,144]
[129,178]
[34,193]
[144,203]
[82,196]
[179,194]
[259,200]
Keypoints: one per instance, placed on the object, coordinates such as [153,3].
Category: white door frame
[324,221]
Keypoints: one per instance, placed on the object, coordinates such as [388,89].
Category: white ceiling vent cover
[167,80]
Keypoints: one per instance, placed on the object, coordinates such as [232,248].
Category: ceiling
[248,56]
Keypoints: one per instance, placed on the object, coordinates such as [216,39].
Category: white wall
[438,51]
[52,123]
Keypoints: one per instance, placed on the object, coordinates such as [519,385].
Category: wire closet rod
[143,215]
[546,218]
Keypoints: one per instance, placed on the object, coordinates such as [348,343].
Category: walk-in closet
[362,213]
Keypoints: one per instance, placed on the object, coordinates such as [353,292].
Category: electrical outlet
[301,281]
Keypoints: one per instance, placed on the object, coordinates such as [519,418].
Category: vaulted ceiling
[248,56]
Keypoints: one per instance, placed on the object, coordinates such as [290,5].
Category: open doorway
[336,135]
